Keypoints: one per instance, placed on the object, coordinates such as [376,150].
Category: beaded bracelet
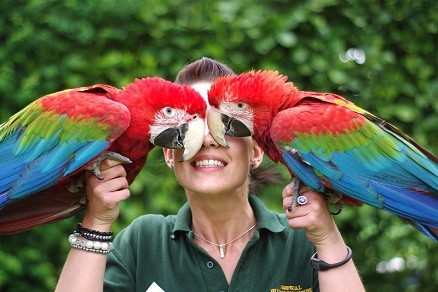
[88,245]
[93,234]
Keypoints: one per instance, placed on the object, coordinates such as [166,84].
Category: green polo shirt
[155,250]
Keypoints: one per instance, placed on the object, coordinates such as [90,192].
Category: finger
[287,190]
[314,214]
[116,184]
[311,196]
[108,163]
[115,171]
[287,201]
[103,167]
[112,185]
[112,199]
[108,195]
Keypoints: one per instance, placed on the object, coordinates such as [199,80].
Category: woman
[223,239]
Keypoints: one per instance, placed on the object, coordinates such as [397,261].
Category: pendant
[221,251]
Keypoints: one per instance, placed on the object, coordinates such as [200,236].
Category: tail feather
[418,206]
[431,232]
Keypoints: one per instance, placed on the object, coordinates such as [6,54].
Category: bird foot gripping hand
[335,199]
[95,166]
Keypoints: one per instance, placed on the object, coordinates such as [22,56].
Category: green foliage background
[49,45]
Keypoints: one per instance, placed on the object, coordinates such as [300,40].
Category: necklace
[221,246]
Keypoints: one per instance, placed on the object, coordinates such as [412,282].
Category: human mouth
[209,163]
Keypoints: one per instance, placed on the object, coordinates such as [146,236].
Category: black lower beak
[235,127]
[172,137]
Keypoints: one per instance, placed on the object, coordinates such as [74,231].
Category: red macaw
[329,144]
[46,147]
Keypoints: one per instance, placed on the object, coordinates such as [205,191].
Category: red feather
[129,130]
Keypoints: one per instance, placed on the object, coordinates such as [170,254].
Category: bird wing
[331,144]
[55,137]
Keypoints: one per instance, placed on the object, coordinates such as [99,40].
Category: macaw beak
[216,126]
[189,136]
[193,138]
[220,124]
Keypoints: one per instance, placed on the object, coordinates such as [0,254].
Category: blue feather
[85,154]
[409,204]
[306,173]
[418,168]
[40,164]
[385,189]
[6,182]
[43,145]
[32,180]
[59,155]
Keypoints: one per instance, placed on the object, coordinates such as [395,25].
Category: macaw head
[244,105]
[170,115]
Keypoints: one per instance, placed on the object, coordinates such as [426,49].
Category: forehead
[202,88]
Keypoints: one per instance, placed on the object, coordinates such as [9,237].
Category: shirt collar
[266,219]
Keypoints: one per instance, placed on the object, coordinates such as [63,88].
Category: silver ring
[302,200]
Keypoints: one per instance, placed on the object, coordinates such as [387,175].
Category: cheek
[177,154]
[241,146]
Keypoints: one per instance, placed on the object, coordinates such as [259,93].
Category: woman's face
[216,169]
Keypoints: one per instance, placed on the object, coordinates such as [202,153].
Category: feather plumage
[46,147]
[330,143]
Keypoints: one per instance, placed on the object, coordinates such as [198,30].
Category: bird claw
[334,199]
[77,185]
[95,166]
[338,207]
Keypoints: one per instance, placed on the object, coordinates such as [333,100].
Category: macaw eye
[241,105]
[168,111]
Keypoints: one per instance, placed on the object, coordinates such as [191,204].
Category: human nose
[206,129]
[209,141]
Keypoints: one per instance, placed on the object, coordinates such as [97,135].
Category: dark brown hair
[208,70]
[202,70]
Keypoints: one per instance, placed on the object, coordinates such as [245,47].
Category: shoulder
[275,232]
[152,221]
[147,226]
[295,235]
[275,223]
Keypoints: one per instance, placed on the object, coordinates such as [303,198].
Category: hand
[314,216]
[105,195]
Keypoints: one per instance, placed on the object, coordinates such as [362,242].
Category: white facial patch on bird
[166,117]
[240,111]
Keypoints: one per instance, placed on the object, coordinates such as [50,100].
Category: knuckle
[287,190]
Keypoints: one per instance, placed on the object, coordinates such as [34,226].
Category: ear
[257,155]
[168,157]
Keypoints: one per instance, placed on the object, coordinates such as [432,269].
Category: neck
[221,220]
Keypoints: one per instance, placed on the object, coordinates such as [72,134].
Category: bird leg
[296,192]
[333,198]
[95,166]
